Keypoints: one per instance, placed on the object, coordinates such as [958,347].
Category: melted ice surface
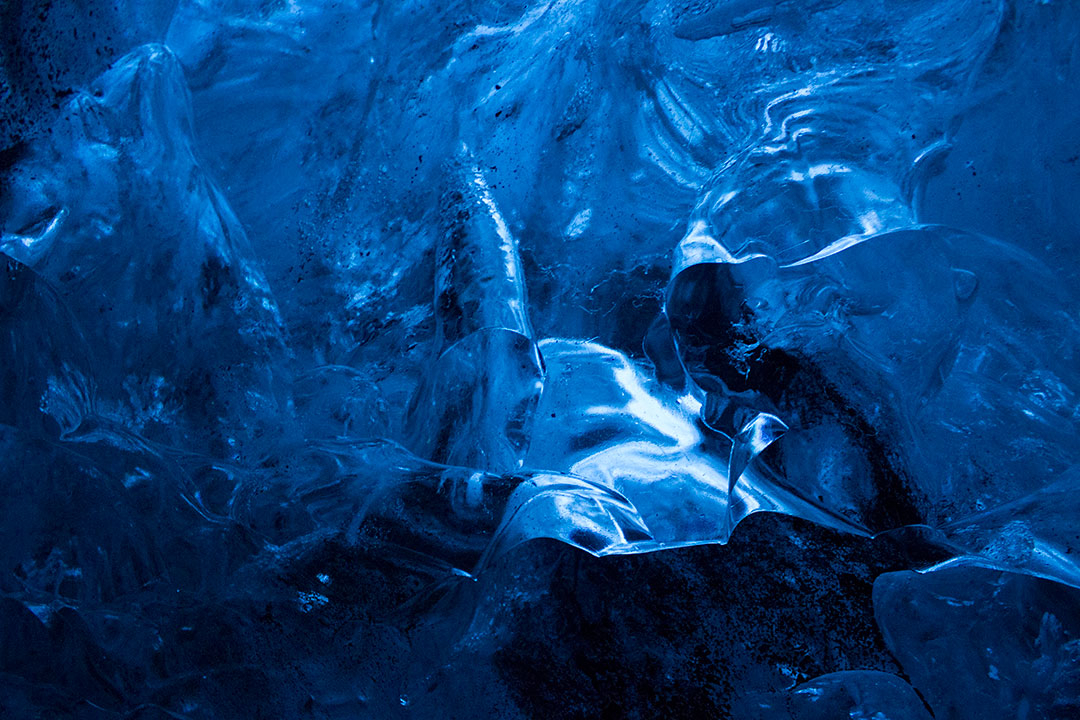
[314,308]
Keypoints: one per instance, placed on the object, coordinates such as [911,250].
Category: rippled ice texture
[540,359]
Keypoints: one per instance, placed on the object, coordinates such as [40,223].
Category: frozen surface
[858,694]
[982,641]
[539,359]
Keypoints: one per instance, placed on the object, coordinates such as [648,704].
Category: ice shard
[476,404]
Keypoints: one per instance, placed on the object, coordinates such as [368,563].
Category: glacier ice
[134,176]
[981,640]
[538,359]
[863,694]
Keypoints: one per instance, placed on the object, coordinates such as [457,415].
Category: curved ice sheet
[921,379]
[602,417]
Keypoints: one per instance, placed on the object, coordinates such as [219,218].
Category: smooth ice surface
[539,359]
[984,642]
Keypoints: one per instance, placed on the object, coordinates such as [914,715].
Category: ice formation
[539,359]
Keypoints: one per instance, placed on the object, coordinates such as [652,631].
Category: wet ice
[338,340]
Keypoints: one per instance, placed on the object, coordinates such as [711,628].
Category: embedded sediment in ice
[559,359]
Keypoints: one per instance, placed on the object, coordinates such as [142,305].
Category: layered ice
[469,359]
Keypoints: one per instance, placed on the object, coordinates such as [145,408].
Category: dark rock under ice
[564,359]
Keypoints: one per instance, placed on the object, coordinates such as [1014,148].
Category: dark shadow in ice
[921,378]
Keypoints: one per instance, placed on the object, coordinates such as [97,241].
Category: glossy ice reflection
[357,359]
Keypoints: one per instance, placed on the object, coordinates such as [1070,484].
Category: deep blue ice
[470,359]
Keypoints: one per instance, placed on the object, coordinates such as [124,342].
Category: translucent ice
[151,261]
[886,356]
[538,359]
[476,406]
[983,643]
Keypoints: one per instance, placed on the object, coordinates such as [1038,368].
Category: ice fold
[445,520]
[153,263]
[884,355]
[603,418]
